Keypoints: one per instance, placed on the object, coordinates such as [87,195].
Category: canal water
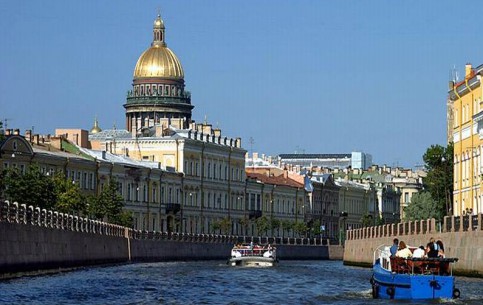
[212,282]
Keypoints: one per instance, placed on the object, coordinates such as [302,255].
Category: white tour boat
[253,255]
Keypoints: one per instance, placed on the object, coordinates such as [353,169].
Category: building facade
[465,129]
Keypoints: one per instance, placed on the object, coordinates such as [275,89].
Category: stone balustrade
[450,224]
[21,214]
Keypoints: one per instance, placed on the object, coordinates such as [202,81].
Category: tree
[300,228]
[439,180]
[286,225]
[68,195]
[367,221]
[109,205]
[263,225]
[314,227]
[32,188]
[224,225]
[244,223]
[274,224]
[422,207]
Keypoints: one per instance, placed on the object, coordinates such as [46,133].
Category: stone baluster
[55,219]
[13,212]
[30,215]
[50,218]
[4,211]
[81,224]
[22,214]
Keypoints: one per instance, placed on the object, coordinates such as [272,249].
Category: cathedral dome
[158,60]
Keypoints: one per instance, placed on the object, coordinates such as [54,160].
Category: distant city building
[465,129]
[353,160]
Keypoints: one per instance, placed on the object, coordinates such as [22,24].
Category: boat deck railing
[253,251]
[413,265]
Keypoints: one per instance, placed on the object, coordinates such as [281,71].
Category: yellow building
[465,125]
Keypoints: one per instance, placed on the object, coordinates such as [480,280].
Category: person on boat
[440,248]
[444,266]
[419,252]
[418,266]
[432,248]
[403,251]
[394,247]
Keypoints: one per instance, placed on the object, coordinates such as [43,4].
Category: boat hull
[255,261]
[390,285]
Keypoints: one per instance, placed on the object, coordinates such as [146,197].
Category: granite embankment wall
[34,239]
[462,238]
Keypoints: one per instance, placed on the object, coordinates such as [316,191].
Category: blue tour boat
[412,278]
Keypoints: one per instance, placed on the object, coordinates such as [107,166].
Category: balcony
[254,214]
[173,208]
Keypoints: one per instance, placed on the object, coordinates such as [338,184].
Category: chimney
[103,155]
[468,70]
[28,135]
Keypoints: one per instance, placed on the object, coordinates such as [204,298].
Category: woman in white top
[403,251]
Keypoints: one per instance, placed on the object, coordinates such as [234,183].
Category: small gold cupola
[95,128]
[158,33]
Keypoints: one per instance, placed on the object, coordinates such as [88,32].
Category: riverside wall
[462,237]
[33,240]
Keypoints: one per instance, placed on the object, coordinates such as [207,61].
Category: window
[91,181]
[84,181]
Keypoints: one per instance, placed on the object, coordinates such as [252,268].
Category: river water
[212,282]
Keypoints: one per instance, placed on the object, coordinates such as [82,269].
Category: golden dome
[95,128]
[158,61]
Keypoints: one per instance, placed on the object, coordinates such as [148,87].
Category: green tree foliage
[108,205]
[300,228]
[439,180]
[286,225]
[32,188]
[367,220]
[263,225]
[223,225]
[244,223]
[422,206]
[274,225]
[68,195]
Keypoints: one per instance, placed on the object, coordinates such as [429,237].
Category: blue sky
[296,76]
